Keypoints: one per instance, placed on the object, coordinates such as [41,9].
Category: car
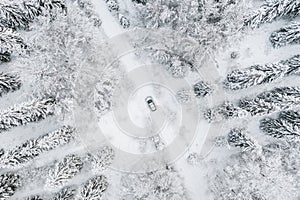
[150,103]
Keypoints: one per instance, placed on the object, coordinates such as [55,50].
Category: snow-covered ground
[140,142]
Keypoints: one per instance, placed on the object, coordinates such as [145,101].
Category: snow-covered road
[141,75]
[120,44]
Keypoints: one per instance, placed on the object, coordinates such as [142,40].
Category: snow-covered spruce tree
[112,5]
[183,96]
[20,155]
[75,35]
[67,193]
[289,34]
[52,4]
[34,8]
[238,137]
[193,159]
[9,41]
[224,112]
[162,184]
[176,65]
[259,74]
[124,21]
[101,159]
[56,138]
[264,103]
[202,89]
[293,65]
[274,100]
[94,188]
[63,171]
[20,14]
[287,125]
[9,183]
[5,56]
[272,10]
[1,152]
[30,10]
[289,150]
[252,176]
[35,197]
[140,1]
[102,101]
[221,141]
[89,10]
[104,91]
[212,23]
[158,142]
[28,112]
[12,16]
[9,83]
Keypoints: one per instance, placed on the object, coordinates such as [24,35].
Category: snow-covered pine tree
[4,56]
[264,103]
[25,113]
[9,83]
[64,170]
[272,10]
[20,14]
[273,100]
[1,152]
[103,101]
[140,1]
[35,197]
[104,92]
[289,34]
[55,75]
[287,125]
[202,89]
[56,138]
[193,159]
[259,74]
[247,175]
[9,183]
[88,9]
[94,188]
[49,5]
[224,112]
[162,56]
[238,137]
[124,21]
[9,41]
[183,96]
[112,5]
[293,65]
[11,16]
[30,10]
[101,159]
[164,184]
[158,142]
[159,13]
[212,23]
[67,193]
[177,68]
[176,65]
[29,150]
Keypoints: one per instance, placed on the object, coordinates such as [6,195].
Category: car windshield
[149,101]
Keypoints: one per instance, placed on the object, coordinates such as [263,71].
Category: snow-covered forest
[150,100]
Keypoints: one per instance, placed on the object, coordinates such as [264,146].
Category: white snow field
[223,77]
